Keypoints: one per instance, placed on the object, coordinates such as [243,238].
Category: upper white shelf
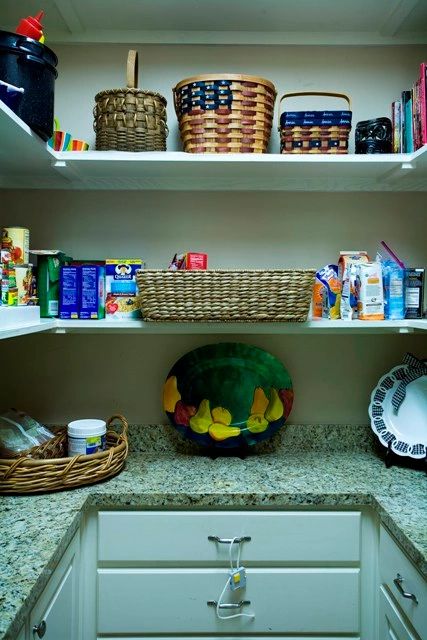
[227,21]
[27,163]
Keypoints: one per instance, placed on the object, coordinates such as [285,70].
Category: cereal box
[69,293]
[121,301]
[92,292]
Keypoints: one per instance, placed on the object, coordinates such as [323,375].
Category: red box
[196,261]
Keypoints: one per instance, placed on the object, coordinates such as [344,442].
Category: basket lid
[206,77]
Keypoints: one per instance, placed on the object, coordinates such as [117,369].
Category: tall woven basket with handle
[130,119]
[225,113]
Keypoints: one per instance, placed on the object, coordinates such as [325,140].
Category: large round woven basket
[46,468]
[225,296]
[130,119]
[224,113]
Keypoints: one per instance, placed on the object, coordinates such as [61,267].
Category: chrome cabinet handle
[406,594]
[40,629]
[229,540]
[228,605]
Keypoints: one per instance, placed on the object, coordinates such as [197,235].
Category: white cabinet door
[403,581]
[284,601]
[392,626]
[55,615]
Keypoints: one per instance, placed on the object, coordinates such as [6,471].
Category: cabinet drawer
[392,562]
[175,601]
[392,626]
[276,537]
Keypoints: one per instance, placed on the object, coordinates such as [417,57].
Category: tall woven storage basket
[281,295]
[224,113]
[315,131]
[130,119]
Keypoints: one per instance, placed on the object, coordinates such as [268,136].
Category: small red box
[196,261]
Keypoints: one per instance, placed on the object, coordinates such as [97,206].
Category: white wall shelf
[137,327]
[27,162]
[25,329]
[223,22]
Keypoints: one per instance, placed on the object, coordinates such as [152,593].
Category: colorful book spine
[423,102]
[396,117]
[407,137]
[416,120]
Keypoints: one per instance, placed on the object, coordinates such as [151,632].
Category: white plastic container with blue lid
[86,436]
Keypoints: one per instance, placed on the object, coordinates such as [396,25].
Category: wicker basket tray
[224,113]
[225,296]
[327,134]
[45,468]
[130,119]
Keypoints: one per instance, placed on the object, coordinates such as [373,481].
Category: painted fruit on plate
[228,395]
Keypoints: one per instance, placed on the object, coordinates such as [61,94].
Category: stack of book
[409,116]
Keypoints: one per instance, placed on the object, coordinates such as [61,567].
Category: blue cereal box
[69,293]
[92,292]
[121,288]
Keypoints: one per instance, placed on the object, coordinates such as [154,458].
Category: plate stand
[392,458]
[241,452]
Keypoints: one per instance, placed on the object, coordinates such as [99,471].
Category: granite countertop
[35,530]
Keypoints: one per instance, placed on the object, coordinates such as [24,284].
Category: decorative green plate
[228,395]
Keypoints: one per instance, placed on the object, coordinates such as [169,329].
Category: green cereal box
[49,263]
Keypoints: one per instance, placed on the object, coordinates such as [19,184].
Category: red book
[423,102]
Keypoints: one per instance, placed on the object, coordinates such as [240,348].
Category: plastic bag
[19,432]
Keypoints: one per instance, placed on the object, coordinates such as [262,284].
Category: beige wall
[372,76]
[60,377]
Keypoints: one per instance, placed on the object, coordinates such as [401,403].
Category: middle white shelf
[139,327]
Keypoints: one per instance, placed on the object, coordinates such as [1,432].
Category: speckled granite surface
[36,530]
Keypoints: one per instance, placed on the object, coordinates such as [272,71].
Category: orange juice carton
[326,290]
[347,272]
[369,290]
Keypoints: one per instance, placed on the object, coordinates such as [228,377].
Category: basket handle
[132,69]
[123,421]
[329,94]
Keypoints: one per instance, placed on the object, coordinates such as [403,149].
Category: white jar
[86,436]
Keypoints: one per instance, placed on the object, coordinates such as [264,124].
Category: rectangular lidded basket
[225,295]
[225,113]
[315,131]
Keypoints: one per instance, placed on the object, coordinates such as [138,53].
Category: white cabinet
[271,537]
[22,635]
[56,613]
[162,572]
[403,582]
[392,626]
[291,600]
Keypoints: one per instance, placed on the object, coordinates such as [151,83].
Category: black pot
[374,136]
[26,63]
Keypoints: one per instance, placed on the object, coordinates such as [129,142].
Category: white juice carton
[121,290]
